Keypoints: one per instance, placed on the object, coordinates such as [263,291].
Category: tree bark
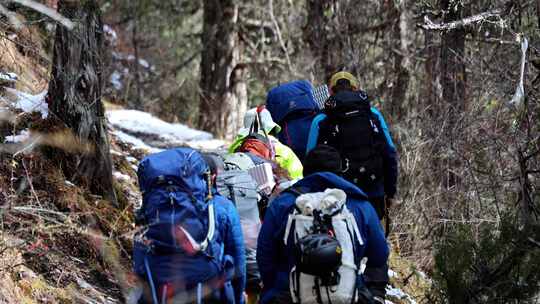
[75,96]
[323,40]
[401,38]
[453,80]
[223,78]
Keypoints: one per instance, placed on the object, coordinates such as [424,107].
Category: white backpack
[305,288]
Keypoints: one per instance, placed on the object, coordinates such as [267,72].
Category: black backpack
[356,133]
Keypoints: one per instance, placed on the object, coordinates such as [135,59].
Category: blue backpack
[181,247]
[293,107]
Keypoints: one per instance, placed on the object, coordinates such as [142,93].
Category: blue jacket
[390,160]
[275,260]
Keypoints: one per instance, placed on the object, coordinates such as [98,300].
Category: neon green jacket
[285,157]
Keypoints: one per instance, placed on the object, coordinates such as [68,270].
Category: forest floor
[58,242]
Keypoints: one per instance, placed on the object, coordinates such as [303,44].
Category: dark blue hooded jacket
[276,260]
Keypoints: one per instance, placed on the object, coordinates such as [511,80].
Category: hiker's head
[215,165]
[268,124]
[342,81]
[322,158]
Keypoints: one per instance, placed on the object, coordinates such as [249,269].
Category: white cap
[267,122]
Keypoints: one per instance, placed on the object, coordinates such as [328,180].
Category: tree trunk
[75,96]
[323,39]
[453,78]
[223,77]
[138,104]
[402,61]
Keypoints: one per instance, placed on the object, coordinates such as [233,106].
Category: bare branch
[11,17]
[519,95]
[46,11]
[431,26]
[279,36]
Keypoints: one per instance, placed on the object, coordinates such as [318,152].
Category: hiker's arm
[234,246]
[313,136]
[236,143]
[266,250]
[390,158]
[376,246]
[288,160]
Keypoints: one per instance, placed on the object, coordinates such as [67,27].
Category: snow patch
[116,80]
[21,137]
[392,273]
[142,62]
[212,144]
[131,159]
[9,77]
[134,141]
[110,34]
[120,176]
[114,152]
[138,122]
[399,294]
[30,103]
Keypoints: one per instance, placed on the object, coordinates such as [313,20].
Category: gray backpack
[235,183]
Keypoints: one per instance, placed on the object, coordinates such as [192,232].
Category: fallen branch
[431,26]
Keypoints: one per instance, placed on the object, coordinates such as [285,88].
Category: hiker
[258,137]
[293,107]
[231,173]
[360,134]
[191,249]
[304,258]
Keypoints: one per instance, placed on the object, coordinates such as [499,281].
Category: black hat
[322,158]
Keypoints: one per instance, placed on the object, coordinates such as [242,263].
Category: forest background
[456,80]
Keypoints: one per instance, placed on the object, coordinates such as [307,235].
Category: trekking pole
[209,182]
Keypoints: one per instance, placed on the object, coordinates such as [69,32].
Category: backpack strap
[200,247]
[313,136]
[296,191]
[150,280]
[272,150]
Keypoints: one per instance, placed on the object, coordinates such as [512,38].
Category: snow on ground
[120,176]
[398,294]
[30,103]
[116,80]
[211,144]
[21,137]
[134,141]
[148,132]
[8,77]
[110,34]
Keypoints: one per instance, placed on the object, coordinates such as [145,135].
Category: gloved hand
[378,290]
[365,296]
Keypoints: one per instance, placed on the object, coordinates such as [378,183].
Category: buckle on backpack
[346,166]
